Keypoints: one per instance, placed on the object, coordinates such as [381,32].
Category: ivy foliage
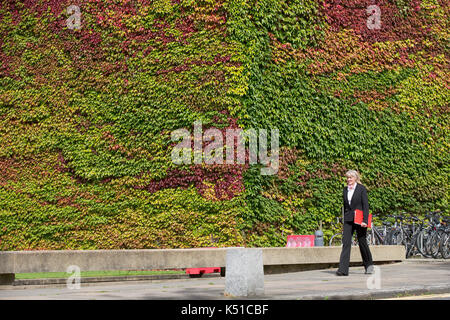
[86,117]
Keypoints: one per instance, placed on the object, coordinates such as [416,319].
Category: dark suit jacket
[359,201]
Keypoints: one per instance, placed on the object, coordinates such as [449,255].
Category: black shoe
[339,273]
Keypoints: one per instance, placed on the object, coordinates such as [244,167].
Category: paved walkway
[408,277]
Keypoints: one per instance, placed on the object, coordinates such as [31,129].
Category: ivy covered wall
[86,116]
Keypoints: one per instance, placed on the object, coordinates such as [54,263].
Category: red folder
[359,218]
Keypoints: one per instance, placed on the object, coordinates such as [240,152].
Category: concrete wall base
[7,278]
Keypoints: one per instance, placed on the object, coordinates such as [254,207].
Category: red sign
[296,241]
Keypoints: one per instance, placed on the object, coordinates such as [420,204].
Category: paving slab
[408,277]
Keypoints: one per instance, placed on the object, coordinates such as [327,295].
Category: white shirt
[350,192]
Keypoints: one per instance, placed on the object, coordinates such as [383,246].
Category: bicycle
[441,232]
[336,239]
[378,234]
[397,233]
[414,244]
[444,246]
[429,233]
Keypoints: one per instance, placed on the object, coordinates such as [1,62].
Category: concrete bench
[245,267]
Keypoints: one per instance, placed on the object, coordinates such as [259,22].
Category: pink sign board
[296,241]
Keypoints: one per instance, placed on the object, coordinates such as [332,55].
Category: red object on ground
[295,241]
[200,271]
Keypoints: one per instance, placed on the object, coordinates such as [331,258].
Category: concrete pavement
[390,280]
[442,296]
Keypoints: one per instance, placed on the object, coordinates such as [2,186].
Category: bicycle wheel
[435,242]
[410,249]
[444,247]
[397,238]
[388,237]
[408,237]
[421,242]
[376,240]
[429,243]
[336,240]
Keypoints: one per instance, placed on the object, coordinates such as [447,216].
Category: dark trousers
[361,233]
